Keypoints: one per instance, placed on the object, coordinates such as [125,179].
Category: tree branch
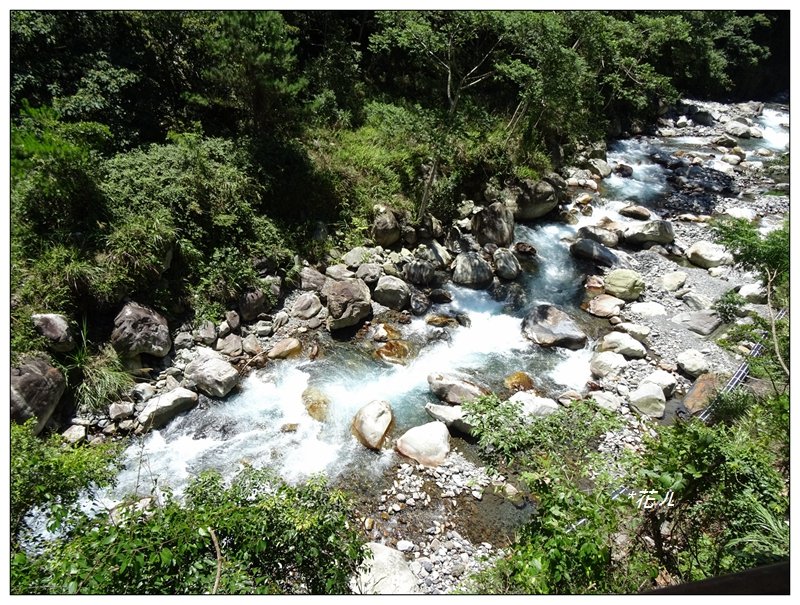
[219,560]
[771,275]
[476,79]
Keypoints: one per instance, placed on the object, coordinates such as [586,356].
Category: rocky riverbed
[621,292]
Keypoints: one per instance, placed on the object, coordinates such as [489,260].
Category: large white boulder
[211,374]
[622,343]
[372,422]
[386,573]
[160,410]
[428,444]
[708,254]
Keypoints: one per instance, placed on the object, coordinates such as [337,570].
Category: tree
[459,46]
[253,72]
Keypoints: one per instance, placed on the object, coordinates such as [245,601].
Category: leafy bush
[569,545]
[729,306]
[45,472]
[729,407]
[767,255]
[258,535]
[505,434]
[721,476]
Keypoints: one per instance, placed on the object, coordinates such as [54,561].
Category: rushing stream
[250,426]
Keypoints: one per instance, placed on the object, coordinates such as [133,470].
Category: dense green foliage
[505,434]
[254,536]
[45,472]
[719,494]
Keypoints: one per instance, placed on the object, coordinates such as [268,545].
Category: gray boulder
[392,292]
[636,212]
[506,263]
[535,200]
[252,303]
[419,272]
[754,293]
[472,270]
[693,362]
[737,129]
[306,306]
[311,279]
[673,281]
[454,388]
[600,235]
[183,340]
[624,344]
[532,405]
[160,410]
[36,389]
[702,322]
[339,272]
[708,254]
[599,167]
[606,400]
[206,333]
[549,326]
[370,273]
[251,345]
[349,302]
[494,225]
[285,348]
[139,329]
[385,229]
[74,434]
[666,381]
[233,320]
[607,363]
[639,331]
[697,301]
[593,251]
[386,573]
[211,374]
[419,303]
[648,309]
[658,232]
[451,415]
[357,257]
[231,345]
[605,305]
[56,329]
[435,253]
[648,399]
[371,424]
[120,411]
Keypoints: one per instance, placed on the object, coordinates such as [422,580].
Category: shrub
[504,434]
[729,306]
[258,535]
[45,472]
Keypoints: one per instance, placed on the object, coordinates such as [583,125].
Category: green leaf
[166,556]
